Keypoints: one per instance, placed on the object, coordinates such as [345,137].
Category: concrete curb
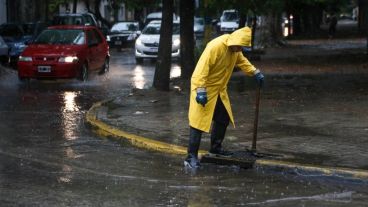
[138,141]
[305,169]
[150,144]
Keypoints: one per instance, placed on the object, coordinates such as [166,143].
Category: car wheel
[83,76]
[106,66]
[139,60]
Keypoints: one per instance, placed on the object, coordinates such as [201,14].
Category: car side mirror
[139,32]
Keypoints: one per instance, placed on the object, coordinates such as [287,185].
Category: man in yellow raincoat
[209,100]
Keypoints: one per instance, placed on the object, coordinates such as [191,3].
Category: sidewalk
[313,114]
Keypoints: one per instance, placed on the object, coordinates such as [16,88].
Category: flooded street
[49,156]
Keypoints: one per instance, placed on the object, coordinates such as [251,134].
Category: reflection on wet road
[138,80]
[49,157]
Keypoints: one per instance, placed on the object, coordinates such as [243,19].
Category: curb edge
[150,144]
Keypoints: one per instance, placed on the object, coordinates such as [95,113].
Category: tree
[187,43]
[161,79]
[209,9]
[75,2]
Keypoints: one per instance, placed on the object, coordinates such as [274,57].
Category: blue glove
[201,97]
[259,78]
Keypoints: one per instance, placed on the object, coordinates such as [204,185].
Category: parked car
[123,34]
[198,27]
[14,36]
[17,36]
[4,52]
[146,45]
[65,51]
[229,21]
[31,30]
[86,19]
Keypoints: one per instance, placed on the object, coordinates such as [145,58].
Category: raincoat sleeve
[208,60]
[244,64]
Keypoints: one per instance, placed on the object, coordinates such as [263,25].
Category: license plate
[44,69]
[118,42]
[155,49]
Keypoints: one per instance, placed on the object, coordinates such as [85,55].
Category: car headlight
[19,45]
[108,38]
[25,59]
[176,42]
[138,42]
[131,37]
[68,59]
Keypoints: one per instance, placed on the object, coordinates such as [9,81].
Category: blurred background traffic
[129,24]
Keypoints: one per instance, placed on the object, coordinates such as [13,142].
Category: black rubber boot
[217,136]
[194,141]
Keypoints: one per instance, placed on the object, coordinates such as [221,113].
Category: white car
[198,26]
[146,46]
[229,21]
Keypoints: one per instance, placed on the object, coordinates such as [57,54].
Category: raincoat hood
[240,37]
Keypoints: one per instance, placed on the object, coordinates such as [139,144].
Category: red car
[66,51]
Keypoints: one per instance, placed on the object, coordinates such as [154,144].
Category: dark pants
[221,120]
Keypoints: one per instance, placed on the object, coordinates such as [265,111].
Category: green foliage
[261,7]
[329,5]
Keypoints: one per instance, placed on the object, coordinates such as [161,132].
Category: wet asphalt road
[49,157]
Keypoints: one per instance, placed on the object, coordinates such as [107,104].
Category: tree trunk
[75,2]
[270,31]
[86,3]
[161,79]
[254,29]
[47,12]
[207,23]
[187,43]
[98,15]
[296,25]
[242,20]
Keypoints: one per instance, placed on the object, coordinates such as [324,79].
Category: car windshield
[125,26]
[176,29]
[155,29]
[199,21]
[58,36]
[151,29]
[230,16]
[68,20]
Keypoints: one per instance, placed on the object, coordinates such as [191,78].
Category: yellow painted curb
[325,171]
[142,142]
[135,140]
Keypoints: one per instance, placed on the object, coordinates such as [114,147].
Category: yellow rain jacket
[213,72]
